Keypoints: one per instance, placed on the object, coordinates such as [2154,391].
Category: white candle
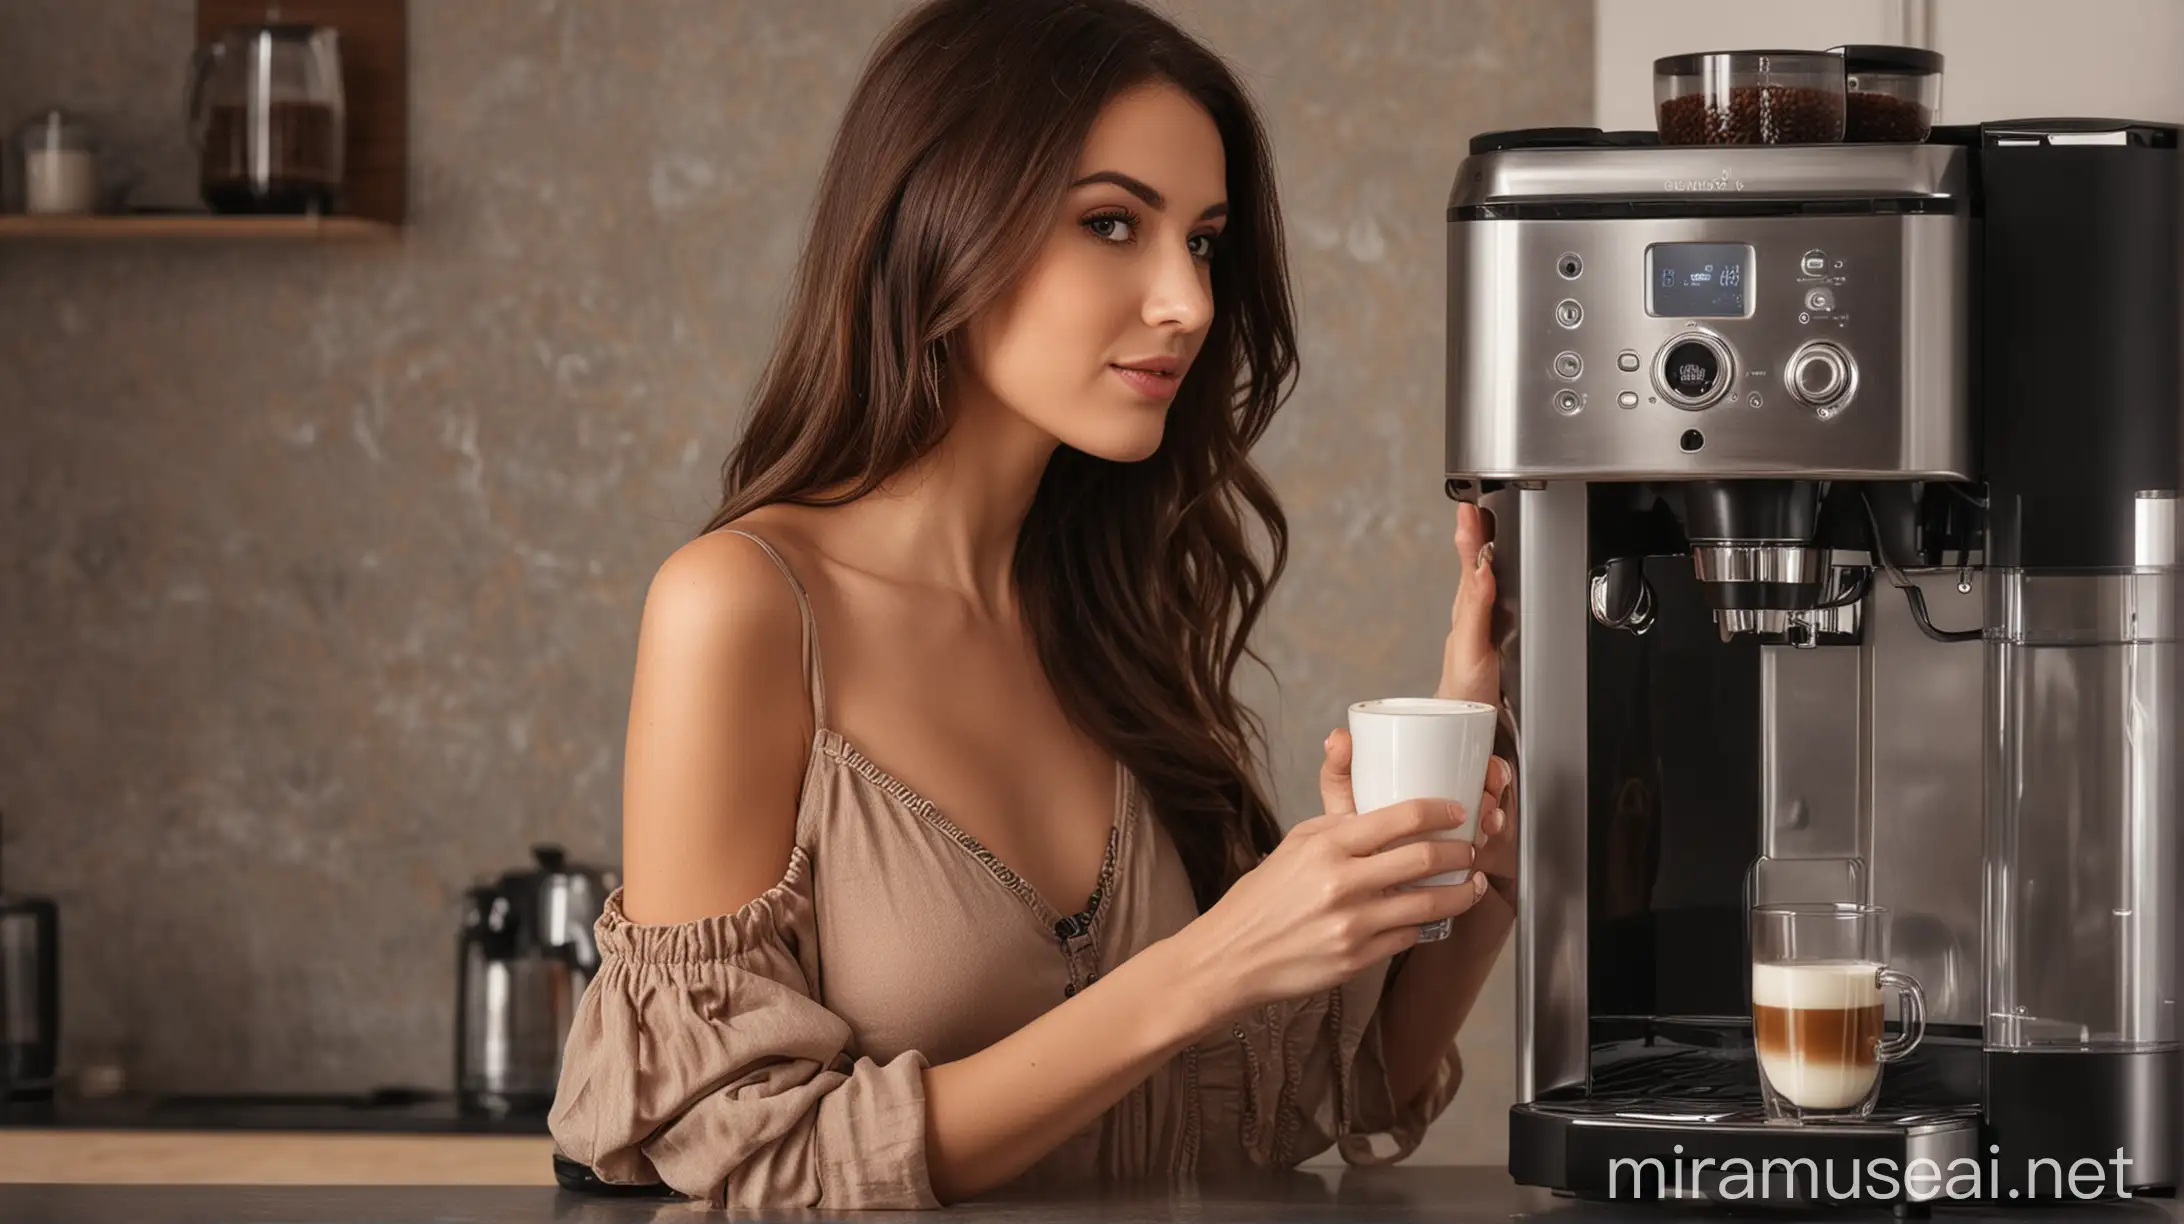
[60,181]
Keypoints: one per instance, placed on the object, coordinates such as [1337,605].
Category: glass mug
[1819,979]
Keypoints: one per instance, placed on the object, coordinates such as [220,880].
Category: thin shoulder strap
[813,675]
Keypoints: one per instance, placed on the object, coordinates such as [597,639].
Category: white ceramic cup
[1423,748]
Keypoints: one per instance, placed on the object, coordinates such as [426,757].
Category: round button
[1567,403]
[1569,365]
[1628,399]
[1692,371]
[1820,374]
[1570,266]
[1814,263]
[1820,300]
[1626,361]
[1568,313]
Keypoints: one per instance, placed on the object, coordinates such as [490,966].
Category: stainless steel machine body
[1834,492]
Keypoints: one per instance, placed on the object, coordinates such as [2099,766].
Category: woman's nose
[1181,292]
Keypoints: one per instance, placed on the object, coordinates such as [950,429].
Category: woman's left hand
[1470,665]
[1471,671]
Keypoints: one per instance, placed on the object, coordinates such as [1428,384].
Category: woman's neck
[952,518]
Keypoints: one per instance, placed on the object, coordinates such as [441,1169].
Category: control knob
[1821,376]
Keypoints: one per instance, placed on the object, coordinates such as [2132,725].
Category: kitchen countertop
[1443,1195]
[169,1158]
[383,1137]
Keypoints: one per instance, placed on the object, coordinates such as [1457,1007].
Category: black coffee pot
[526,955]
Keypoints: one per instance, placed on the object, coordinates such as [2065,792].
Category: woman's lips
[1152,384]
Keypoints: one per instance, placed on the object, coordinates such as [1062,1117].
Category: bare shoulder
[719,734]
[720,583]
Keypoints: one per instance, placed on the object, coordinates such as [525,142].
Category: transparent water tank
[2081,783]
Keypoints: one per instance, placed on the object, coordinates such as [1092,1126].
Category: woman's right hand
[1329,901]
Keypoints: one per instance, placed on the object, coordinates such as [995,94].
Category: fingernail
[1329,742]
[1478,883]
[1455,813]
[1486,554]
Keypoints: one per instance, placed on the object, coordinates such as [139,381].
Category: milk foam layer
[1832,984]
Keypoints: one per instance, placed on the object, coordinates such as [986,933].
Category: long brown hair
[1139,582]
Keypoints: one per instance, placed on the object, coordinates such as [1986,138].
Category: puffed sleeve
[1295,1078]
[700,1058]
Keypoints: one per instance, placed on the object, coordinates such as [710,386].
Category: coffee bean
[1755,114]
[1878,116]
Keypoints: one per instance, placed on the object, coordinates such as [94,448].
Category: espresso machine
[1834,490]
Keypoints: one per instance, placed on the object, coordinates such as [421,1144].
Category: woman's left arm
[1437,984]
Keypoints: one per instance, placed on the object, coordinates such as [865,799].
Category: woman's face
[1092,342]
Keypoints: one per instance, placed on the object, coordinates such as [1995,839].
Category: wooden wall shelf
[152,225]
[375,87]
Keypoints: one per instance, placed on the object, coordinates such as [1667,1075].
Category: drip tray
[1670,1118]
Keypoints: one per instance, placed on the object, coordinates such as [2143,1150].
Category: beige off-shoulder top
[775,1056]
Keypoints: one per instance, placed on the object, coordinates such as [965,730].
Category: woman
[956,653]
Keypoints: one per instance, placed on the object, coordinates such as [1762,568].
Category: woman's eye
[1113,229]
[1202,245]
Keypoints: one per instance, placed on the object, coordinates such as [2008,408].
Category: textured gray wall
[320,567]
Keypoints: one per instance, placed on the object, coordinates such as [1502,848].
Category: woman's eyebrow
[1144,191]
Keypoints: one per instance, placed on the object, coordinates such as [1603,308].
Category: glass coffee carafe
[266,114]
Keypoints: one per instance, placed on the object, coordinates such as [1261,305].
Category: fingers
[1400,865]
[1426,903]
[1366,833]
[1493,817]
[1470,533]
[1336,797]
[1471,616]
[1389,944]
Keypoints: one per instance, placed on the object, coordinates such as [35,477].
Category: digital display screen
[1698,280]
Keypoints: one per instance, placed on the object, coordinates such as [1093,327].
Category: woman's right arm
[1312,915]
[710,792]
